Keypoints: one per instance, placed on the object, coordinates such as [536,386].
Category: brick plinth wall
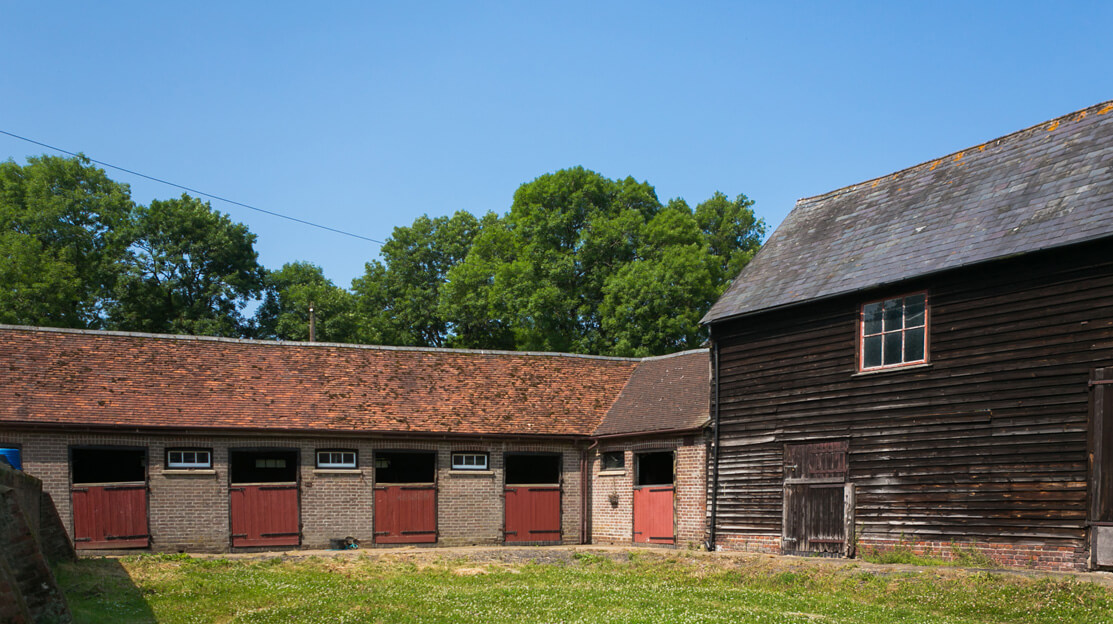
[1033,556]
[767,544]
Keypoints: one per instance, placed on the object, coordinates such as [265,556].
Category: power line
[195,191]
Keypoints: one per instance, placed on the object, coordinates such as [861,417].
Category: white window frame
[347,460]
[903,330]
[182,464]
[459,459]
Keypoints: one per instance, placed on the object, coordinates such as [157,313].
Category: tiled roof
[87,378]
[665,393]
[1047,186]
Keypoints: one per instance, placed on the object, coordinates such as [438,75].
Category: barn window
[469,461]
[336,459]
[894,332]
[189,458]
[613,460]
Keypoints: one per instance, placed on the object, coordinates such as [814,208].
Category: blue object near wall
[12,456]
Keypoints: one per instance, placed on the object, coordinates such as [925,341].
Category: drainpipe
[713,457]
[585,494]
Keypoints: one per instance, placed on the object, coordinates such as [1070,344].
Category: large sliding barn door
[815,498]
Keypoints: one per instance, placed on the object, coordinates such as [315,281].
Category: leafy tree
[284,313]
[540,274]
[397,299]
[587,264]
[60,241]
[189,270]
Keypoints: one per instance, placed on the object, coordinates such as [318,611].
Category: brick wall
[612,497]
[188,510]
[1035,556]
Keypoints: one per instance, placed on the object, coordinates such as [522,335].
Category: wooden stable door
[110,515]
[265,514]
[532,513]
[653,514]
[405,514]
[815,498]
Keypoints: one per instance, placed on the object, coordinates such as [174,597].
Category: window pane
[914,311]
[894,313]
[892,348]
[614,460]
[872,314]
[914,345]
[871,352]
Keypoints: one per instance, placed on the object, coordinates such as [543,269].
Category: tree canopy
[580,263]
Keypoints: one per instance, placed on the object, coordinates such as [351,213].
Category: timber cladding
[985,445]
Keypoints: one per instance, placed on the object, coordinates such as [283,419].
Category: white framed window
[469,461]
[893,332]
[336,459]
[189,458]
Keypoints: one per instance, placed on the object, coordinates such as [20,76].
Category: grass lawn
[584,586]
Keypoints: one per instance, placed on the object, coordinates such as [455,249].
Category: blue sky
[365,115]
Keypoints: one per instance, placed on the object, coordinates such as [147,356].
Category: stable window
[655,468]
[894,332]
[336,459]
[189,458]
[263,466]
[469,461]
[614,460]
[532,469]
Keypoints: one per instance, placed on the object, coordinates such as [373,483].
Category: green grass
[588,587]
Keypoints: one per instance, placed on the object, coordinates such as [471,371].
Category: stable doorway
[109,496]
[405,497]
[655,497]
[263,497]
[532,494]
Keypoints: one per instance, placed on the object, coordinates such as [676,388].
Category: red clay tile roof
[86,378]
[665,393]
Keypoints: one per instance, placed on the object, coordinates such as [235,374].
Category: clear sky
[365,115]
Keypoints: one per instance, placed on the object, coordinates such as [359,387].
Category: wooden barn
[178,443]
[924,360]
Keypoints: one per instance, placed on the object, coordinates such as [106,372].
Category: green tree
[290,291]
[541,274]
[397,298]
[733,234]
[190,270]
[61,241]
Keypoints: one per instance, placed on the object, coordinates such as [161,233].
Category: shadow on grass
[100,590]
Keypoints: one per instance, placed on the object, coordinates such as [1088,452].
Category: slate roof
[1046,186]
[669,392]
[148,381]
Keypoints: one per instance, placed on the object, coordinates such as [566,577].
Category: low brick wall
[766,544]
[1033,556]
[28,591]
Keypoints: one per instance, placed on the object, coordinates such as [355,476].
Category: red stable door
[532,513]
[405,514]
[655,497]
[264,514]
[263,497]
[110,516]
[653,514]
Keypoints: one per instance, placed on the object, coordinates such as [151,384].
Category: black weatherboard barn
[925,359]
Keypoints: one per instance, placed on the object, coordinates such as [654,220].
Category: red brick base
[1034,556]
[768,544]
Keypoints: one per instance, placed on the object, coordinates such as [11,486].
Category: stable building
[180,443]
[924,360]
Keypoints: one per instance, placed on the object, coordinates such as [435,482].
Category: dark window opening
[614,460]
[109,465]
[655,468]
[405,466]
[533,469]
[263,466]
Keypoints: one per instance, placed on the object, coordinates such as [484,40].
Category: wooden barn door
[654,498]
[405,497]
[532,498]
[1101,469]
[109,496]
[263,498]
[815,498]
